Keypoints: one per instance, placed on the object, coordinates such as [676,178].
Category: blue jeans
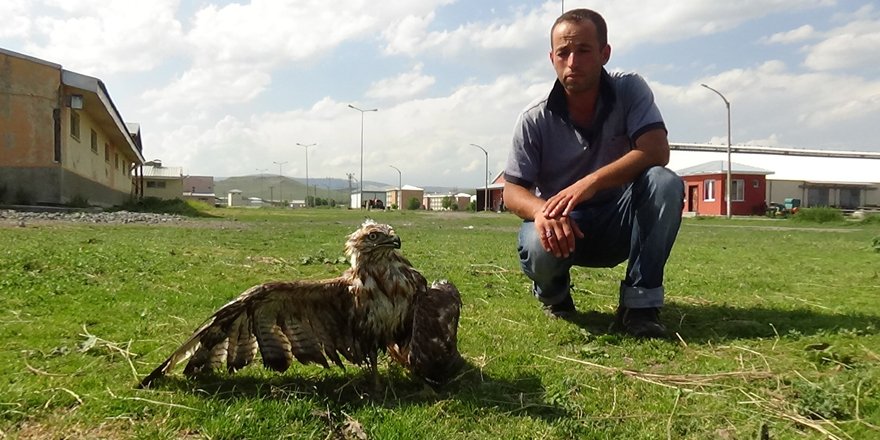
[640,226]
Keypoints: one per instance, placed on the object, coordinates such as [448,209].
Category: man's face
[576,55]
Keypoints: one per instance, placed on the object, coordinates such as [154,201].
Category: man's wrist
[538,213]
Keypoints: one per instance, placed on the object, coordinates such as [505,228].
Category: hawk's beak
[393,242]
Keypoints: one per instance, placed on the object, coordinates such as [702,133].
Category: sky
[227,88]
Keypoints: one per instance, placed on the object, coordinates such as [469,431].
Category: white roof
[163,172]
[720,166]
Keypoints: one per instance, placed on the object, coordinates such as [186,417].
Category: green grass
[776,323]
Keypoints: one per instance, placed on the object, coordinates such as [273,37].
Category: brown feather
[430,350]
[376,304]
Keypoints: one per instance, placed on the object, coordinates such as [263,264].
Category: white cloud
[408,35]
[406,85]
[271,32]
[800,34]
[854,45]
[805,110]
[426,138]
[16,23]
[203,88]
[628,25]
[99,38]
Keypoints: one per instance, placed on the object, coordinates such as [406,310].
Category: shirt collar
[557,102]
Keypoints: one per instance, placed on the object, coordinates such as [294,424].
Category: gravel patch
[22,218]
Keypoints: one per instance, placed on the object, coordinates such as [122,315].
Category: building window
[94,141]
[154,184]
[116,161]
[107,153]
[756,183]
[709,190]
[738,190]
[74,125]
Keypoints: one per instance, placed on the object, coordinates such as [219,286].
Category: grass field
[775,328]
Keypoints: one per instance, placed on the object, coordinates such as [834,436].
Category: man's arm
[651,149]
[522,202]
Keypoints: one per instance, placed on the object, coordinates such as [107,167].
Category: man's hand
[561,204]
[557,234]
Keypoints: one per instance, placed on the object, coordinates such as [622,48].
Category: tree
[447,202]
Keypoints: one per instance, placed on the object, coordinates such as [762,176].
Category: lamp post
[486,194]
[399,186]
[726,104]
[361,180]
[307,169]
[280,181]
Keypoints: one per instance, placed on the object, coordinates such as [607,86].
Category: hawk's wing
[432,349]
[307,320]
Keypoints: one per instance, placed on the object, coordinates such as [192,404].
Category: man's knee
[663,186]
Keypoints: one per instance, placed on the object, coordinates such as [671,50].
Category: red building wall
[753,202]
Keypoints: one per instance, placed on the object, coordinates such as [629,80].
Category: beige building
[434,202]
[404,194]
[845,195]
[163,182]
[199,188]
[62,140]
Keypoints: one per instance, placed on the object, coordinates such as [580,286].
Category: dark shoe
[562,310]
[641,323]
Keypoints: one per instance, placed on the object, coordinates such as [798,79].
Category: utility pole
[262,182]
[306,146]
[280,181]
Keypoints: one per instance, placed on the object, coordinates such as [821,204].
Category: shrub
[160,206]
[413,204]
[818,215]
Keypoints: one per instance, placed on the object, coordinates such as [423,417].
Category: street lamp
[280,181]
[486,194]
[361,180]
[727,104]
[307,170]
[399,187]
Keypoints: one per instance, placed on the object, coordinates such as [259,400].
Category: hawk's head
[373,239]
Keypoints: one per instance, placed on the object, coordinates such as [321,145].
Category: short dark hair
[579,15]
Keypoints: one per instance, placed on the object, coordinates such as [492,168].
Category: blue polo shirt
[550,152]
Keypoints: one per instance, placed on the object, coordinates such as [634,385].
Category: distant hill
[267,187]
[274,187]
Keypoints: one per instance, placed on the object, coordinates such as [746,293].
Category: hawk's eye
[373,236]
